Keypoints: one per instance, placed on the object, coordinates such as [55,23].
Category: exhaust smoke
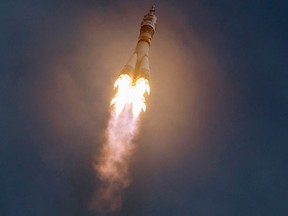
[113,166]
[132,88]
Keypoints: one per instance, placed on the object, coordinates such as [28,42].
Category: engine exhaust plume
[113,167]
[132,89]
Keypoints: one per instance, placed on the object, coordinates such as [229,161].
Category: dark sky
[214,139]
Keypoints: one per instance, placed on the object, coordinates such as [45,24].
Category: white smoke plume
[113,166]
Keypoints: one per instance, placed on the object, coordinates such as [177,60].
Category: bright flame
[113,165]
[130,93]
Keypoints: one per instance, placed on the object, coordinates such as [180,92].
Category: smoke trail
[113,165]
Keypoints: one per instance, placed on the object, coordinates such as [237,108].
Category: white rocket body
[138,64]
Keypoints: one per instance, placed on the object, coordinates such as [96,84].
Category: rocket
[138,65]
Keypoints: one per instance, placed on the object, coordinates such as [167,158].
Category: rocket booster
[138,64]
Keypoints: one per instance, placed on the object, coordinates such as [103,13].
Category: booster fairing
[138,65]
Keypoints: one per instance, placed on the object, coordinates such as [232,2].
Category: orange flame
[130,93]
[127,105]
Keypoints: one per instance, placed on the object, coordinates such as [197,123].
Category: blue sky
[213,140]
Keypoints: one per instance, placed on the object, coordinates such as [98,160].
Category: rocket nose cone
[144,64]
[144,69]
[152,10]
[132,61]
[129,68]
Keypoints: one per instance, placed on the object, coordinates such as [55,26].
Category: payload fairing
[138,64]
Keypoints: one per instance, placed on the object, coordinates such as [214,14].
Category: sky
[213,140]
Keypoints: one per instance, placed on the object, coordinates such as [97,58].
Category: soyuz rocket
[138,64]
